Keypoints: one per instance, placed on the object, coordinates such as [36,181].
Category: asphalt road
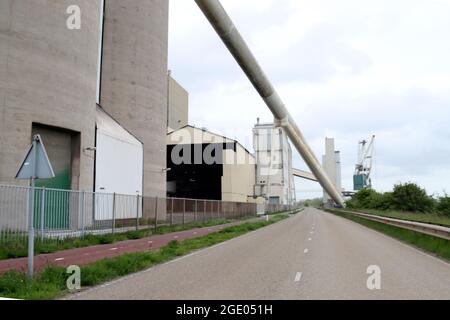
[314,255]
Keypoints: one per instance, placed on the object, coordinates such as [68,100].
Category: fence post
[156,213]
[171,216]
[184,211]
[42,213]
[204,210]
[137,212]
[211,210]
[83,203]
[80,211]
[218,210]
[196,208]
[114,214]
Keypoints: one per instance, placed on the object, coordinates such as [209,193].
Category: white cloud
[346,69]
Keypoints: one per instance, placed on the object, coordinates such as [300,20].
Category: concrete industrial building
[274,175]
[54,77]
[205,165]
[178,105]
[331,162]
[48,86]
[134,79]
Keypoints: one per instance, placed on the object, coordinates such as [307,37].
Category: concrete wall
[338,171]
[178,116]
[329,165]
[274,163]
[238,179]
[134,79]
[48,76]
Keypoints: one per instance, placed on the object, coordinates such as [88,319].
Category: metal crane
[361,178]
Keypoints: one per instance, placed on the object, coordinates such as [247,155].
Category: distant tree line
[405,197]
[318,202]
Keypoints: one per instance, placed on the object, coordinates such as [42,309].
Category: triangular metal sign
[36,164]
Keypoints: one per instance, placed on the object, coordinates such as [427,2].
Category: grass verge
[432,218]
[11,249]
[51,283]
[437,246]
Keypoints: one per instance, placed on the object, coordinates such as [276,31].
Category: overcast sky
[345,69]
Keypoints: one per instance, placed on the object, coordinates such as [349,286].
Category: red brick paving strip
[83,256]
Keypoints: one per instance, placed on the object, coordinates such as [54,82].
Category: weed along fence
[61,214]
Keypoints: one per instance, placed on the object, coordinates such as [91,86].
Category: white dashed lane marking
[59,259]
[306,251]
[298,277]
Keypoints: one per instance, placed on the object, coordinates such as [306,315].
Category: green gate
[55,203]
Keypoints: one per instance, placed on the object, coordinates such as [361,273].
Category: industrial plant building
[274,174]
[178,106]
[111,115]
[87,92]
[205,165]
[331,162]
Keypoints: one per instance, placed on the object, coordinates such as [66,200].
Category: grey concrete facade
[134,79]
[47,76]
[331,162]
[178,111]
[274,174]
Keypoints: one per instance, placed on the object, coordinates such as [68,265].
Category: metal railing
[426,228]
[60,214]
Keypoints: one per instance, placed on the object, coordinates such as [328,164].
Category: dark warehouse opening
[195,177]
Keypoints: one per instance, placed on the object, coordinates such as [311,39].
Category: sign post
[35,166]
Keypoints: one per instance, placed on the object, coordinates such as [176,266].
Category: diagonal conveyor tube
[225,28]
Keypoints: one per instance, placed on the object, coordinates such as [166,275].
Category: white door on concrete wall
[119,169]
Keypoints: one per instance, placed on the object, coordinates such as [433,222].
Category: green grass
[51,283]
[437,246]
[432,218]
[10,249]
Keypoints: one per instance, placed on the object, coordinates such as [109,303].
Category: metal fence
[61,214]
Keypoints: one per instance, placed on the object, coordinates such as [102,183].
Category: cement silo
[48,76]
[134,79]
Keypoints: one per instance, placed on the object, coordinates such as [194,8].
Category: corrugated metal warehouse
[205,165]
